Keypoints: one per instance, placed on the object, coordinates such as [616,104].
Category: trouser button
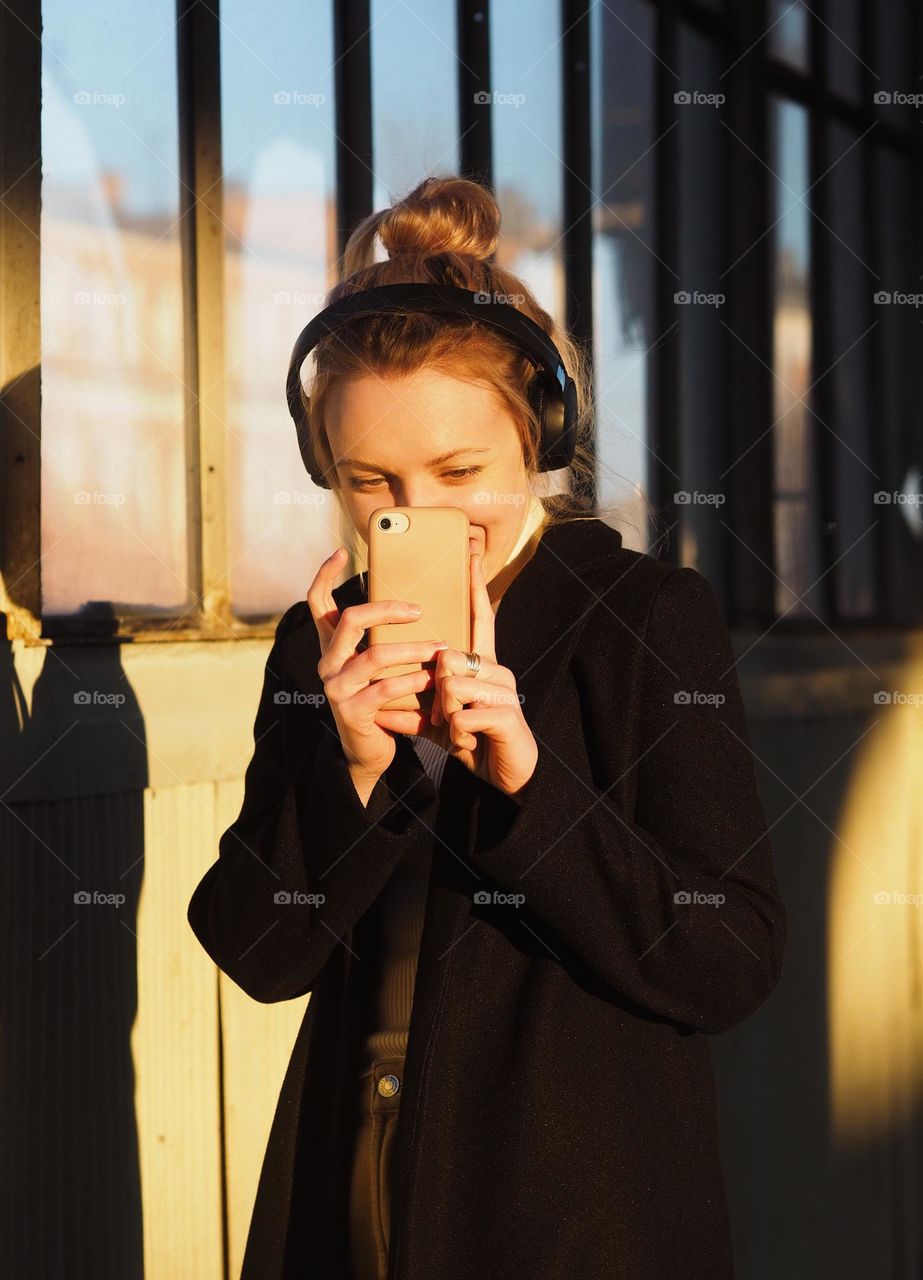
[388,1086]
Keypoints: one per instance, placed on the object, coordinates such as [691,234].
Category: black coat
[558,1114]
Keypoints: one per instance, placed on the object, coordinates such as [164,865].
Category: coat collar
[536,623]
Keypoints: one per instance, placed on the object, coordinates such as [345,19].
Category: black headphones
[553,393]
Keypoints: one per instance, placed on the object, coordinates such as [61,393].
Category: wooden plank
[174,1044]
[258,1040]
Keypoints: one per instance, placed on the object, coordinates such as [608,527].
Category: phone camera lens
[384,523]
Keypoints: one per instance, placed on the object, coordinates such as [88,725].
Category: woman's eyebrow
[433,462]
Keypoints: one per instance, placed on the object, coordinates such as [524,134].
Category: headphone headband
[555,395]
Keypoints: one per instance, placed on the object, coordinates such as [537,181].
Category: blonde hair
[446,231]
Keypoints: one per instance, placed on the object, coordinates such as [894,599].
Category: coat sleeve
[675,906]
[305,858]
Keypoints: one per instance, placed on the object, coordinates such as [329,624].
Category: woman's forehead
[423,417]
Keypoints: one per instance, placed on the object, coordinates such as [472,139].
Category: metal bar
[474,81]
[821,445]
[749,442]
[579,185]
[663,358]
[202,239]
[20,319]
[869,198]
[353,93]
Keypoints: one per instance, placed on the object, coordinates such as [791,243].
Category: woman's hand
[506,753]
[347,675]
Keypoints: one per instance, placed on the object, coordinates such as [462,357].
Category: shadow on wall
[73,770]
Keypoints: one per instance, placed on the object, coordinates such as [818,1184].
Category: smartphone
[421,554]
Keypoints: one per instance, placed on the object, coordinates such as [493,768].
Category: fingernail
[415,608]
[441,645]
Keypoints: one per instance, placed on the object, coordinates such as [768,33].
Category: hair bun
[442,215]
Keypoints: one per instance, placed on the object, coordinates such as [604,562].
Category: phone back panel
[426,562]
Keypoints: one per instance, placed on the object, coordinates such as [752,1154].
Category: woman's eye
[460,473]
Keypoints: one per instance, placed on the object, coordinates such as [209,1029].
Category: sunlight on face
[385,435]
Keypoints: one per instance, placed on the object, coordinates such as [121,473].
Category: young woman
[521,919]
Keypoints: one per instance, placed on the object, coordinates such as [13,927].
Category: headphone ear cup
[568,442]
[303,431]
[551,414]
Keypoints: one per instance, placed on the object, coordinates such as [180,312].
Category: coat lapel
[541,613]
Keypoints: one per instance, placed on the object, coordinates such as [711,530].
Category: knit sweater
[400,906]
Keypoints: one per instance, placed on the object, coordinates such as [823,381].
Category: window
[795,497]
[414,116]
[700,299]
[528,145]
[278,140]
[113,497]
[719,198]
[846,468]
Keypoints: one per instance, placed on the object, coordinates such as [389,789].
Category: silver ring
[474,664]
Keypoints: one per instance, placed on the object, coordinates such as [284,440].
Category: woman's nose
[421,495]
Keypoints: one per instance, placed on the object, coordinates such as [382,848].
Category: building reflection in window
[113,454]
[278,139]
[795,517]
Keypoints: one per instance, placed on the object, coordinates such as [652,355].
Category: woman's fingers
[369,702]
[320,599]
[363,668]
[399,721]
[340,633]
[498,722]
[353,622]
[467,691]
[453,662]
[482,614]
